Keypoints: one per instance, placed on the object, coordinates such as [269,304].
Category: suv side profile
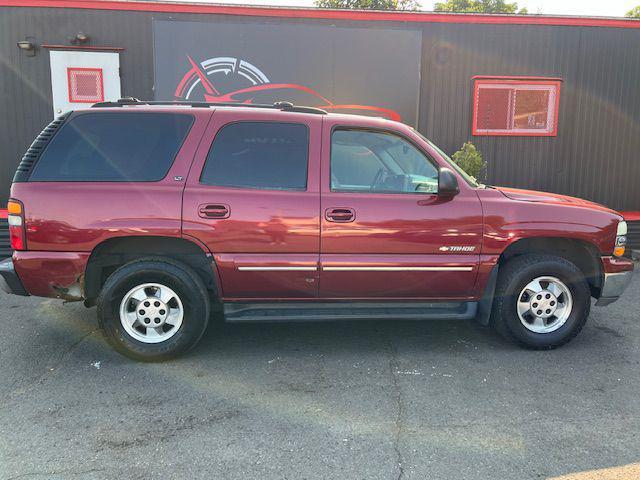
[163,215]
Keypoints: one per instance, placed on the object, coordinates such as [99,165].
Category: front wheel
[541,301]
[153,309]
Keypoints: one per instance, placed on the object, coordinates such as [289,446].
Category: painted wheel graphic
[216,76]
[232,80]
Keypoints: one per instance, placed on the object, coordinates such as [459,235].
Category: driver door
[385,231]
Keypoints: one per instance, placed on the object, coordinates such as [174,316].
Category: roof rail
[284,106]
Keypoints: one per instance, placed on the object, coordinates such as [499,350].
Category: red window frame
[536,83]
[83,69]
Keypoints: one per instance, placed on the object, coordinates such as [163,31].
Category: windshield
[471,180]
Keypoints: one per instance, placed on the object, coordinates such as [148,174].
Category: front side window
[379,162]
[516,106]
[113,147]
[259,155]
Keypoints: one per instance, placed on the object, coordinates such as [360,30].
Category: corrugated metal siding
[593,156]
[5,248]
[633,236]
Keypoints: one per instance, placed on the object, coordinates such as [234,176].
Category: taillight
[15,219]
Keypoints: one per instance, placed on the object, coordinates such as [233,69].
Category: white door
[80,79]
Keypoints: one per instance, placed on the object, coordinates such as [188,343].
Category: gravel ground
[362,400]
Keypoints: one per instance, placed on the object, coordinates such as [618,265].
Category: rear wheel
[541,301]
[153,309]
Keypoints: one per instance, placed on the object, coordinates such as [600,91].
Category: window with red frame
[516,106]
[86,85]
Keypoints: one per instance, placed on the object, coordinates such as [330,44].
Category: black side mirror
[447,183]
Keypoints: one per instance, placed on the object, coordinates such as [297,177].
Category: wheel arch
[111,254]
[583,254]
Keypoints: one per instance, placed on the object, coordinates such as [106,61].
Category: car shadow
[363,336]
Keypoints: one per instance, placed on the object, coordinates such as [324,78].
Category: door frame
[262,273]
[367,267]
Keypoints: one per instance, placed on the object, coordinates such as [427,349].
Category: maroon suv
[162,214]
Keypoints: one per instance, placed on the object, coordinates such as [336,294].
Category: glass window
[113,147]
[379,162]
[261,155]
[515,107]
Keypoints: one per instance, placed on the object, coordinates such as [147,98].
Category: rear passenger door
[253,198]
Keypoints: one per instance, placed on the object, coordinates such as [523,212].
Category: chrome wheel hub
[544,304]
[151,313]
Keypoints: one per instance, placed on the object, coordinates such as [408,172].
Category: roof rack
[284,106]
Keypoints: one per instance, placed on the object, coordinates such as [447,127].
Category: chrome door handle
[214,211]
[340,214]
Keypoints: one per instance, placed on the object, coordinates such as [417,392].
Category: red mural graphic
[242,82]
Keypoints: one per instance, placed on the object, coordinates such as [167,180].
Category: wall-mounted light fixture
[28,47]
[80,38]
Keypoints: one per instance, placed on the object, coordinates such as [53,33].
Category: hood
[551,198]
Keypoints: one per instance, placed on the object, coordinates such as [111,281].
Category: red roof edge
[631,216]
[515,77]
[290,12]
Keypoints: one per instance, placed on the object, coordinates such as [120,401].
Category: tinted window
[366,161]
[113,147]
[259,155]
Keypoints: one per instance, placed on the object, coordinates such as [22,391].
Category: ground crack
[42,378]
[398,426]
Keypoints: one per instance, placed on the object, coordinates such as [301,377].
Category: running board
[310,312]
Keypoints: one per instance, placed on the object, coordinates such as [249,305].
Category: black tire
[175,275]
[512,279]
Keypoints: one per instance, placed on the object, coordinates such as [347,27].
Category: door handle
[340,215]
[217,210]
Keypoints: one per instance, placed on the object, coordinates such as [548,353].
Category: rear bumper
[9,280]
[617,274]
[51,274]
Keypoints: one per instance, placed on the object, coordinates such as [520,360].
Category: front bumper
[615,282]
[9,280]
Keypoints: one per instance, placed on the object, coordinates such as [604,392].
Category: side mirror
[447,183]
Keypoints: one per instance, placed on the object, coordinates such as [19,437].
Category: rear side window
[113,147]
[259,155]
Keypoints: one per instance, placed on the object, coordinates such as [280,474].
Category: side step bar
[329,311]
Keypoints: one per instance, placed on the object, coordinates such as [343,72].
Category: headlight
[621,239]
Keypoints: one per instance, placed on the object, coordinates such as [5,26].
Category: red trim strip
[3,213]
[326,13]
[518,78]
[82,47]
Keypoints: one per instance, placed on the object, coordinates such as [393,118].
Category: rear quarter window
[114,147]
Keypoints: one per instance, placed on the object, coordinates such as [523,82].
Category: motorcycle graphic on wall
[229,79]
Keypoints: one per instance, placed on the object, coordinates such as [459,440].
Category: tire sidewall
[567,274]
[191,293]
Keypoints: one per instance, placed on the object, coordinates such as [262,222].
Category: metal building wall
[593,156]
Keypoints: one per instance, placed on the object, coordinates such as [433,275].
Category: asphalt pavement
[359,400]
